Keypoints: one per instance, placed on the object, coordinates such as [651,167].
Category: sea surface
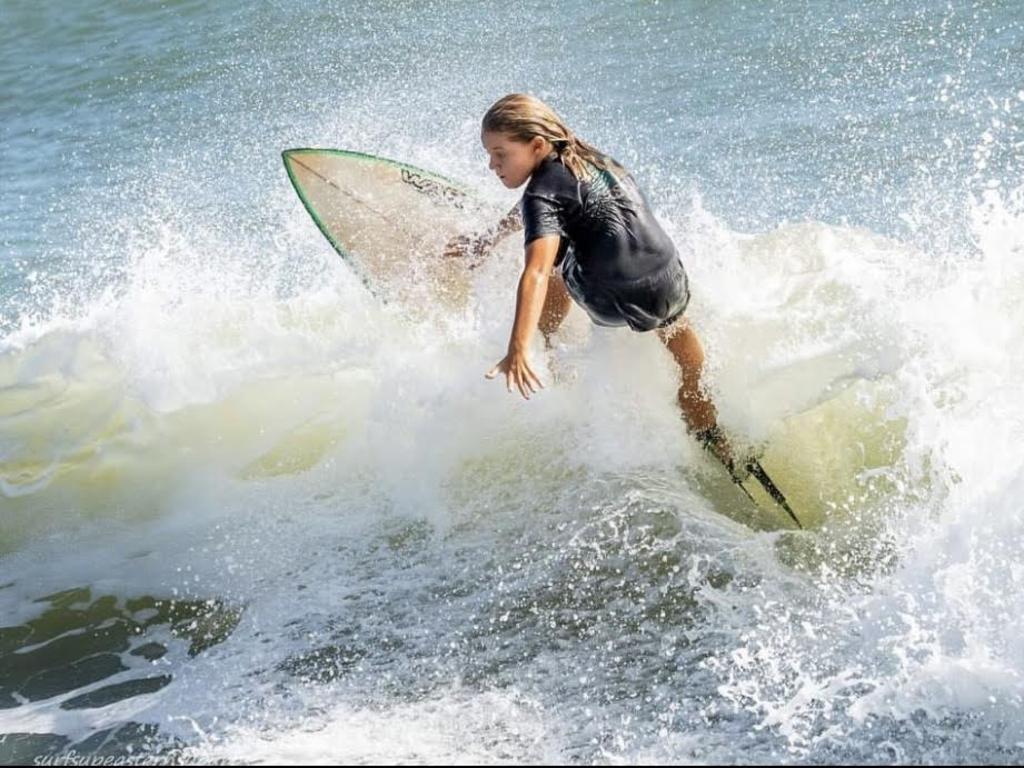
[250,515]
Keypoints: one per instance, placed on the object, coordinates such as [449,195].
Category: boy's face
[513,161]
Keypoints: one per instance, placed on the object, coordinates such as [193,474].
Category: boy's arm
[512,222]
[479,246]
[533,288]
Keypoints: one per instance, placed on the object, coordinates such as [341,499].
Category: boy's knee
[669,332]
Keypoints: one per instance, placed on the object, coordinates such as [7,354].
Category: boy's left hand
[517,369]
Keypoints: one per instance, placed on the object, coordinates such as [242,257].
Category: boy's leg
[698,409]
[556,306]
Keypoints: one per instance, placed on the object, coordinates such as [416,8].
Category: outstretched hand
[517,370]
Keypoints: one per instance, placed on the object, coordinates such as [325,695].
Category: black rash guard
[616,260]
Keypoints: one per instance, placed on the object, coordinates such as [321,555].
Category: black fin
[708,438]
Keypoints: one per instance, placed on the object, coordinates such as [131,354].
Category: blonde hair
[524,117]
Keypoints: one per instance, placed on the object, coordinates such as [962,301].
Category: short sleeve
[542,215]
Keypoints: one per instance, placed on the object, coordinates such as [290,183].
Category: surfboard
[390,221]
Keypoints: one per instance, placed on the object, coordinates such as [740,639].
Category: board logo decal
[433,188]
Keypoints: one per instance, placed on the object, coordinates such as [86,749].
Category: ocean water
[249,515]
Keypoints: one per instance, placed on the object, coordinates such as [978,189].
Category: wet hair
[523,117]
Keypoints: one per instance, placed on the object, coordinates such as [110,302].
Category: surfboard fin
[751,467]
[766,482]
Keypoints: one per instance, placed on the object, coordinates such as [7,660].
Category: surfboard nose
[390,222]
[288,155]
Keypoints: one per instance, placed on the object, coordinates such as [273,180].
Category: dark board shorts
[653,301]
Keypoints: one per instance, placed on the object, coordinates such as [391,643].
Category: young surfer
[591,238]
